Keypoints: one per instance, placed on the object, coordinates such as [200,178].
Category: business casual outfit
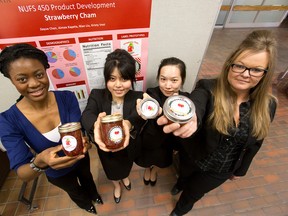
[208,158]
[19,137]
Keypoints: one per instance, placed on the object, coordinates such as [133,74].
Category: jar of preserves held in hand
[178,109]
[112,131]
[71,137]
[149,108]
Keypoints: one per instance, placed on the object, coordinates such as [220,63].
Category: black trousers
[195,184]
[78,184]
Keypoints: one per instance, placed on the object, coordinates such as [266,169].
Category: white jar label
[69,143]
[180,107]
[149,108]
[116,134]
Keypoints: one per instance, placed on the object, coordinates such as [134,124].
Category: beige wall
[182,29]
[8,93]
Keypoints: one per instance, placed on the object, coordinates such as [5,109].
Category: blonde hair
[225,97]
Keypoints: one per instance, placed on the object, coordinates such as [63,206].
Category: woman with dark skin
[31,125]
[233,115]
[156,146]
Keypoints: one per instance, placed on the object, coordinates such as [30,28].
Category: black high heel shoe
[173,213]
[146,182]
[117,199]
[98,200]
[91,210]
[153,183]
[128,187]
[175,190]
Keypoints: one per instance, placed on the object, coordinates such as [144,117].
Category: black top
[203,144]
[223,159]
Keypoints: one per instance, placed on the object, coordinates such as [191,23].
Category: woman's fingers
[97,132]
[162,120]
[126,127]
[183,131]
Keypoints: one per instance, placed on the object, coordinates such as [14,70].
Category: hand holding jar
[49,157]
[179,116]
[71,137]
[148,107]
[183,131]
[102,140]
[73,142]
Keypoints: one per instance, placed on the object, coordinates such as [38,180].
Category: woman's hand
[183,131]
[97,133]
[49,157]
[45,159]
[127,126]
[86,144]
[138,108]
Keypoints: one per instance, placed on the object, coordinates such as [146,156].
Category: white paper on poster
[94,55]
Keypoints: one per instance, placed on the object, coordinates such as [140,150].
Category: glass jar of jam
[178,109]
[71,137]
[112,131]
[149,108]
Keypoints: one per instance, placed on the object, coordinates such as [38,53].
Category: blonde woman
[234,113]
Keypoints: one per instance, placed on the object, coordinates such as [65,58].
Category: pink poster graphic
[77,36]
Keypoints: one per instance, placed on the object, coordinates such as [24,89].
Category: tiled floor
[262,192]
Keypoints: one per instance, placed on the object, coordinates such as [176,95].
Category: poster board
[77,36]
[177,28]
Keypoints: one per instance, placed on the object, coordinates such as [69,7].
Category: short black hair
[124,62]
[22,50]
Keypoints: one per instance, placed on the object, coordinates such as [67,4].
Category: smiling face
[243,82]
[118,86]
[170,80]
[30,78]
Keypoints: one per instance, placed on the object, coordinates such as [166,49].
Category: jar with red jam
[71,137]
[178,109]
[112,131]
[149,108]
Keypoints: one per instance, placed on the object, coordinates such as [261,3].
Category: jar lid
[179,109]
[111,118]
[69,127]
[149,108]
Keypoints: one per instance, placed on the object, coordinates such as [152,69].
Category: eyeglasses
[253,72]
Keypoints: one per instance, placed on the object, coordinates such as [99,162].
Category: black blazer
[206,139]
[100,100]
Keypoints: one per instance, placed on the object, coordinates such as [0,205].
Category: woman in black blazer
[233,115]
[156,146]
[117,97]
